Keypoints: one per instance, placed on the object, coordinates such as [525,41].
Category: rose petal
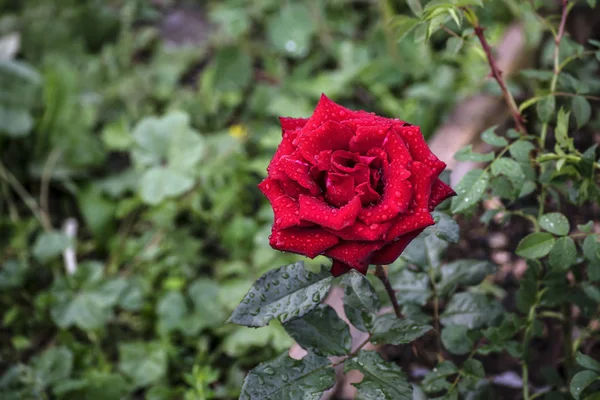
[439,192]
[328,136]
[367,193]
[299,171]
[339,189]
[355,254]
[396,197]
[306,241]
[285,209]
[396,149]
[315,210]
[291,124]
[408,223]
[422,179]
[368,137]
[339,268]
[328,110]
[360,231]
[291,187]
[285,148]
[323,160]
[390,252]
[418,148]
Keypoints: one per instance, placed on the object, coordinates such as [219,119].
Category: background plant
[151,145]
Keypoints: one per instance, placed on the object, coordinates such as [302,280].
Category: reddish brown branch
[560,33]
[381,273]
[497,74]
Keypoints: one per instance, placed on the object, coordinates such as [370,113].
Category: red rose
[351,185]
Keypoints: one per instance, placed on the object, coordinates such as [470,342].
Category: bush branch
[381,273]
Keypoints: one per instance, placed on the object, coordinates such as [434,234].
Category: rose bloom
[352,186]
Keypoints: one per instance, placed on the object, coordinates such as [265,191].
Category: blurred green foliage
[150,123]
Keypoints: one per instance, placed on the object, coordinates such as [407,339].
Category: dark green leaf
[591,248]
[391,330]
[535,245]
[593,271]
[491,138]
[591,291]
[381,380]
[436,380]
[415,6]
[445,227]
[581,109]
[54,365]
[470,190]
[291,29]
[284,293]
[287,379]
[467,154]
[144,362]
[321,331]
[49,245]
[511,169]
[472,373]
[545,108]
[562,130]
[555,223]
[587,362]
[411,287]
[456,340]
[360,300]
[403,25]
[563,254]
[463,272]
[473,310]
[233,69]
[521,149]
[587,227]
[581,381]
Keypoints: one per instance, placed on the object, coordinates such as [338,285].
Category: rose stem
[381,273]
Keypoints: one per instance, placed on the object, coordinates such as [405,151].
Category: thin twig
[381,273]
[497,74]
[46,176]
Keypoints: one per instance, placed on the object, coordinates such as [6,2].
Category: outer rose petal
[306,241]
[396,198]
[410,222]
[396,149]
[285,209]
[418,148]
[422,179]
[285,148]
[291,124]
[390,252]
[339,268]
[439,192]
[328,136]
[360,231]
[316,210]
[368,137]
[355,254]
[327,110]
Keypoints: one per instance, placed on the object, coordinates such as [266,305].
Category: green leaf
[473,310]
[591,248]
[581,381]
[391,330]
[411,287]
[436,380]
[415,6]
[521,149]
[591,291]
[284,293]
[360,300]
[467,154]
[83,311]
[160,183]
[290,31]
[489,136]
[403,25]
[445,227]
[233,69]
[54,366]
[381,380]
[562,130]
[581,109]
[563,254]
[511,169]
[456,340]
[545,108]
[171,310]
[555,223]
[593,271]
[472,373]
[587,362]
[287,379]
[535,245]
[49,245]
[143,362]
[321,331]
[463,272]
[587,227]
[470,190]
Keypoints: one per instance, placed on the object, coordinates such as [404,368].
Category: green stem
[436,316]
[525,370]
